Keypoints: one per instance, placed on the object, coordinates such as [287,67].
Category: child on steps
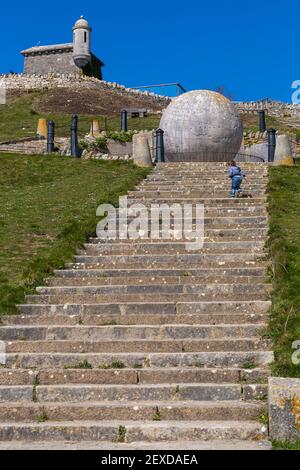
[236,175]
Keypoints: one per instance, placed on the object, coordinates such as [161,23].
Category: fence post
[262,120]
[124,120]
[74,137]
[271,144]
[160,151]
[50,136]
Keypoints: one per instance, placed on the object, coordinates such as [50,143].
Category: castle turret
[82,43]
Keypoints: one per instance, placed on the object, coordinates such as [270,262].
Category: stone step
[162,261]
[137,345]
[165,248]
[203,176]
[155,360]
[182,198]
[127,392]
[209,211]
[171,393]
[183,293]
[148,280]
[194,193]
[176,289]
[193,165]
[223,444]
[225,221]
[225,234]
[65,298]
[132,411]
[133,431]
[151,308]
[40,316]
[136,375]
[132,332]
[184,182]
[107,275]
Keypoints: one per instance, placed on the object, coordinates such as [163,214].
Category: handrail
[178,85]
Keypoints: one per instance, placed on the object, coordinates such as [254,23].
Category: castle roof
[47,49]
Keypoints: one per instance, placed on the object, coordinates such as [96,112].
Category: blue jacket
[235,171]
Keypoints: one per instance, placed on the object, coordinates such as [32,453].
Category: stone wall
[30,146]
[273,108]
[53,61]
[284,408]
[59,61]
[77,82]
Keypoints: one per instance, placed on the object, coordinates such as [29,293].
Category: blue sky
[248,47]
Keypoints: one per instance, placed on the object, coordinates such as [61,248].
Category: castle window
[84,36]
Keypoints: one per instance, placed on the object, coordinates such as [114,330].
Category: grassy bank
[19,118]
[284,244]
[48,206]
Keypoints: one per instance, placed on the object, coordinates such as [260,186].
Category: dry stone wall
[50,81]
[274,108]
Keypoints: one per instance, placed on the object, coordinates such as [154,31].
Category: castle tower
[82,43]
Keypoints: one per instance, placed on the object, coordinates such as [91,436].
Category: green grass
[48,207]
[284,246]
[251,123]
[19,119]
[286,445]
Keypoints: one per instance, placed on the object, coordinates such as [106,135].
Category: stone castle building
[70,58]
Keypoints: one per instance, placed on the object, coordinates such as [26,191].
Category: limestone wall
[274,108]
[56,61]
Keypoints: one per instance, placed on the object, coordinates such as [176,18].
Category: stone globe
[201,125]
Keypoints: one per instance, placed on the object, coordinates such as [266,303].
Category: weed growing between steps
[48,207]
[284,246]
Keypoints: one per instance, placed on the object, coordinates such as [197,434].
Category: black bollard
[74,138]
[160,151]
[50,136]
[262,120]
[271,144]
[124,120]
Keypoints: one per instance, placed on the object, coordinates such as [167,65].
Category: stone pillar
[262,120]
[271,144]
[95,128]
[141,150]
[160,151]
[283,151]
[74,138]
[124,120]
[50,138]
[42,128]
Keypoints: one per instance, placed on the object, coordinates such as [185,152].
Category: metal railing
[178,87]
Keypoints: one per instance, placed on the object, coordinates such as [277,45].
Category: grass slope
[284,245]
[48,207]
[19,118]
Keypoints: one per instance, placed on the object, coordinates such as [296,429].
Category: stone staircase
[144,345]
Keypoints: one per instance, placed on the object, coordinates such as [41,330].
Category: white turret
[82,43]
